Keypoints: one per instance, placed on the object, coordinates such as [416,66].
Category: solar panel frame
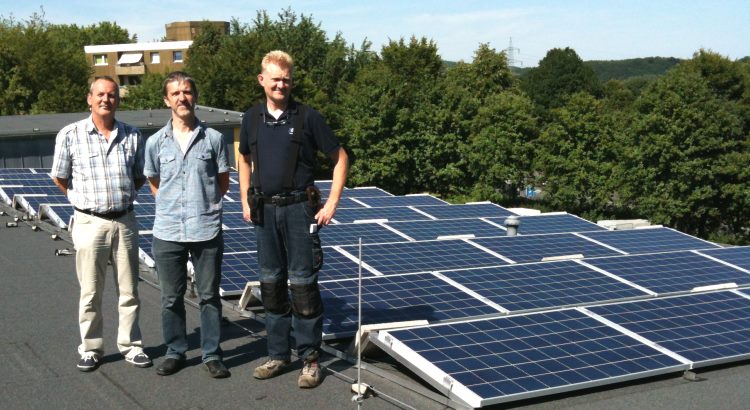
[738,256]
[405,200]
[545,285]
[706,328]
[558,222]
[670,272]
[424,256]
[460,211]
[393,213]
[436,228]
[533,248]
[649,240]
[491,361]
[395,298]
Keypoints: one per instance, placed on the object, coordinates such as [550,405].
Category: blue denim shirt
[188,203]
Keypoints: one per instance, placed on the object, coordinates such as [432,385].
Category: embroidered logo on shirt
[291,130]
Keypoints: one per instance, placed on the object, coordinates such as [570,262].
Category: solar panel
[551,223]
[532,248]
[239,240]
[236,270]
[705,328]
[542,285]
[349,203]
[31,202]
[59,215]
[396,213]
[477,210]
[427,256]
[406,200]
[737,256]
[349,234]
[233,220]
[491,361]
[40,180]
[393,299]
[362,192]
[14,172]
[649,240]
[239,268]
[433,229]
[145,222]
[671,271]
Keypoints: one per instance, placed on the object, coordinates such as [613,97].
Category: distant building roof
[41,124]
[163,45]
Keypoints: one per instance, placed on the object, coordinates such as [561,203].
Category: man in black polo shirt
[278,143]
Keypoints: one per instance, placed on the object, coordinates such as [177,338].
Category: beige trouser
[98,241]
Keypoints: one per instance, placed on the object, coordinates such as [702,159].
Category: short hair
[180,77]
[278,57]
[105,78]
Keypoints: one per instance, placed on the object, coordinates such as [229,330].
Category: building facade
[127,63]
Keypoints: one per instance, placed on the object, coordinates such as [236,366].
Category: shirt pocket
[167,166]
[206,164]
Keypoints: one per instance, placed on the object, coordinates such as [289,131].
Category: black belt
[108,215]
[285,199]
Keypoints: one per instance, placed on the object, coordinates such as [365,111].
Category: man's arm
[153,183]
[139,183]
[223,179]
[340,169]
[245,171]
[61,183]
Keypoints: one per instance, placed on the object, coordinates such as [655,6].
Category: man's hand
[245,211]
[326,213]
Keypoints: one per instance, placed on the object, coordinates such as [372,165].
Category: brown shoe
[270,368]
[310,375]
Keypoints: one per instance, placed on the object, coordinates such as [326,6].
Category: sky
[596,30]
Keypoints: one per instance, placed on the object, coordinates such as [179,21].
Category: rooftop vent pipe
[511,224]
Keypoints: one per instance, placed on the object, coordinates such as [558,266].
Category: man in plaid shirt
[98,165]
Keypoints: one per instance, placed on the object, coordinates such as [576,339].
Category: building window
[100,59]
[155,58]
[177,56]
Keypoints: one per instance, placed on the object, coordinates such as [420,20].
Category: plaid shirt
[101,174]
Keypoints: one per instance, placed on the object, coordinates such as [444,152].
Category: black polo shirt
[274,138]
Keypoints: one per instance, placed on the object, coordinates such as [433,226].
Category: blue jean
[171,265]
[285,248]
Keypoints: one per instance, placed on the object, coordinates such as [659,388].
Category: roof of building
[45,124]
[162,45]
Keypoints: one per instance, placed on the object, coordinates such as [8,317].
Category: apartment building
[127,63]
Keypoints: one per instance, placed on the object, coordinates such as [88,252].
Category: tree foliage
[561,73]
[670,147]
[43,67]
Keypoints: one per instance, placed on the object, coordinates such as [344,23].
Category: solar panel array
[564,305]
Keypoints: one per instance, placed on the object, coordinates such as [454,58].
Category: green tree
[560,74]
[691,149]
[146,95]
[577,157]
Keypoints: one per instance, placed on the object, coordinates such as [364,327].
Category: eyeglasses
[272,123]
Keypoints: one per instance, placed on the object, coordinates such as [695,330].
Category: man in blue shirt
[187,168]
[278,143]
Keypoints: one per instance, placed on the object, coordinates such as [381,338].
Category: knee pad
[275,297]
[306,302]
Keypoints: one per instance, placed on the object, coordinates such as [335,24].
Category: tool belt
[285,199]
[257,200]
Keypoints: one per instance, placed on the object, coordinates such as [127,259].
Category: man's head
[180,94]
[103,97]
[275,77]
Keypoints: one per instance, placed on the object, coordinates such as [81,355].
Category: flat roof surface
[39,335]
[44,124]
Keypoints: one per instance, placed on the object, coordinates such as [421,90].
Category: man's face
[277,83]
[103,98]
[181,99]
